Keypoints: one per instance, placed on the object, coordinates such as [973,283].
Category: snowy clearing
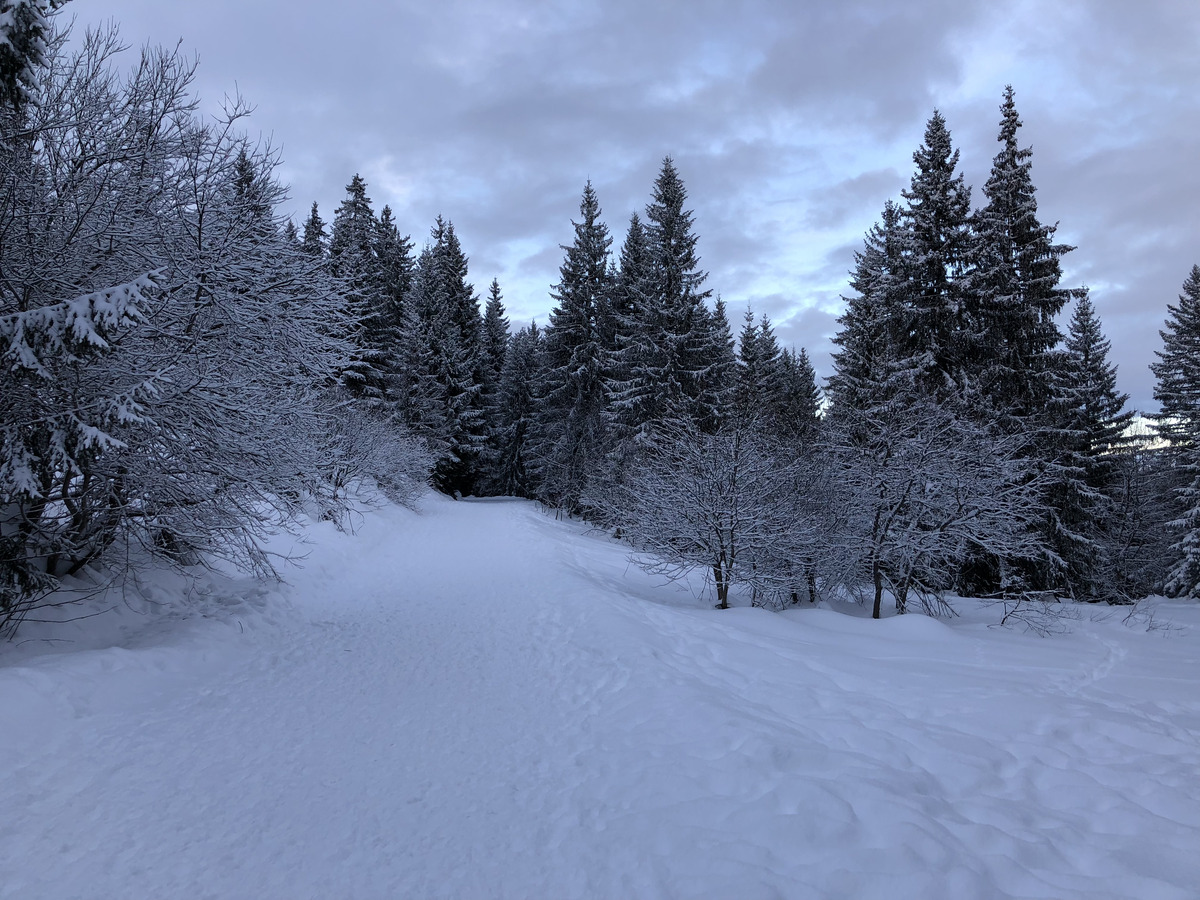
[478,701]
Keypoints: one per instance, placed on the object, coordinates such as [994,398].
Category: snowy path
[477,701]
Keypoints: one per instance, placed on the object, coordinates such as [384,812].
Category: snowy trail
[478,701]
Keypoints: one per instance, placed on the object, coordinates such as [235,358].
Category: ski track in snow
[476,701]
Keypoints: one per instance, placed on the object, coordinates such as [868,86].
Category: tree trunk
[722,588]
[877,573]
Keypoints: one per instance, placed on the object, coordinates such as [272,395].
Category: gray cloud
[791,122]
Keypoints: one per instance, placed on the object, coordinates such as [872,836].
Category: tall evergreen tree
[718,381]
[1013,365]
[672,331]
[393,269]
[314,240]
[1088,420]
[799,415]
[516,404]
[441,378]
[495,348]
[935,243]
[352,260]
[623,341]
[759,390]
[495,333]
[1178,392]
[1013,292]
[570,422]
[869,366]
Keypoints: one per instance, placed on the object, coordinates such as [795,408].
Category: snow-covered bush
[164,345]
[730,504]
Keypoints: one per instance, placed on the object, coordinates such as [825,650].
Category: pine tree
[799,415]
[495,333]
[719,381]
[1013,365]
[1088,421]
[24,27]
[570,422]
[760,387]
[671,332]
[314,240]
[1178,393]
[515,410]
[1013,292]
[868,367]
[393,269]
[442,371]
[495,348]
[935,242]
[1178,368]
[623,341]
[352,260]
[354,229]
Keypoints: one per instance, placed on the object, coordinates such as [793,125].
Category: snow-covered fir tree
[759,378]
[799,414]
[352,260]
[441,377]
[25,27]
[495,348]
[516,406]
[495,333]
[668,374]
[718,381]
[569,437]
[1178,393]
[315,239]
[1012,292]
[935,238]
[868,366]
[1088,420]
[393,270]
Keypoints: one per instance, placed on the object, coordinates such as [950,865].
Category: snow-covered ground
[478,701]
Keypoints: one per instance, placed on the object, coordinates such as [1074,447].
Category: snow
[476,700]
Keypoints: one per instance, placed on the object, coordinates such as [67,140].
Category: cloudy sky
[791,121]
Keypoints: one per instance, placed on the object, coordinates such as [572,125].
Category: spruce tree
[352,260]
[718,381]
[570,422]
[24,27]
[1178,392]
[314,240]
[393,269]
[495,333]
[874,328]
[440,380]
[516,405]
[1088,420]
[495,348]
[935,243]
[671,332]
[1013,292]
[799,415]
[624,341]
[759,380]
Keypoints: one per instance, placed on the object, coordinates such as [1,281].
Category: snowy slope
[478,701]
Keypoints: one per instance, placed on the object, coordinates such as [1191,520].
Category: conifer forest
[185,370]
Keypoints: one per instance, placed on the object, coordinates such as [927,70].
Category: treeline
[184,369]
[966,444]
